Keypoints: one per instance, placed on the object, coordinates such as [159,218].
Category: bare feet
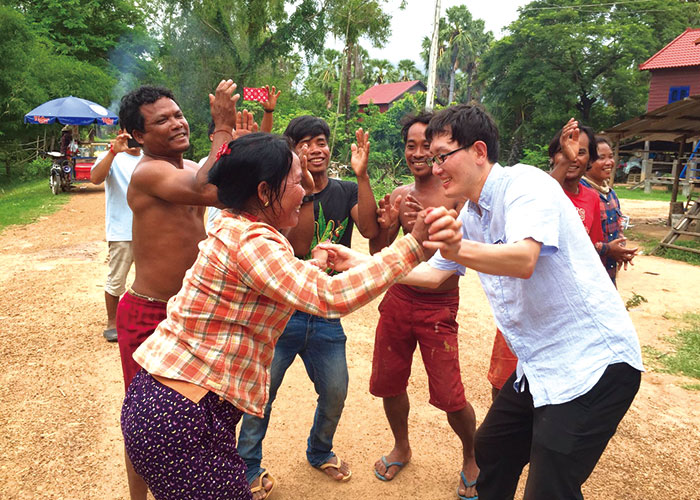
[467,481]
[337,469]
[394,458]
[259,491]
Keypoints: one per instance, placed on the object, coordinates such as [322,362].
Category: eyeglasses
[440,159]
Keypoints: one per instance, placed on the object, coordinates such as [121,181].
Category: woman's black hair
[254,158]
[555,145]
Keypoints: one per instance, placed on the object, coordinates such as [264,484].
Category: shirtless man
[167,195]
[409,315]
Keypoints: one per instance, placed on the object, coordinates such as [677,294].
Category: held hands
[245,124]
[271,103]
[339,257]
[438,229]
[360,153]
[223,105]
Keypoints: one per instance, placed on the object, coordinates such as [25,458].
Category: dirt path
[61,386]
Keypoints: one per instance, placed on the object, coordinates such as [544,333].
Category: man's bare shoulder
[402,191]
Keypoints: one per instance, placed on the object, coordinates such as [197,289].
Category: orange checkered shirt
[236,299]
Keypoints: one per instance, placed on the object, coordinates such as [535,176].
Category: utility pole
[432,62]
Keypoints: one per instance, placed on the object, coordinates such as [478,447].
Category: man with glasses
[579,360]
[411,315]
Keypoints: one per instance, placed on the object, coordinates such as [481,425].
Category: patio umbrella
[71,111]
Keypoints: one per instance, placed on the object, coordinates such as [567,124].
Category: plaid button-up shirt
[611,220]
[236,299]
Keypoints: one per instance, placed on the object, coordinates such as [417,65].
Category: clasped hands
[434,229]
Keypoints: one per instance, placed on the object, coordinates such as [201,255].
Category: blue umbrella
[71,111]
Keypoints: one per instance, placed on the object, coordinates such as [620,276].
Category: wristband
[111,148]
[308,198]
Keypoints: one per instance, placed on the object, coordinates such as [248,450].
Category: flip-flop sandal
[336,465]
[382,477]
[467,484]
[260,487]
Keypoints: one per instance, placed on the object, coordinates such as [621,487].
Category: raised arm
[365,212]
[100,171]
[269,108]
[186,185]
[569,148]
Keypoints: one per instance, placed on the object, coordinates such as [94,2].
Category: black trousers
[561,442]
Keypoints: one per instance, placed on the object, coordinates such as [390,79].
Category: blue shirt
[566,323]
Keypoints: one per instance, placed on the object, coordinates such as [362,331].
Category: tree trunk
[584,105]
[348,78]
[470,72]
[451,94]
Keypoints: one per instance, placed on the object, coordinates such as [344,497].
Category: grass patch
[24,202]
[639,194]
[648,243]
[684,355]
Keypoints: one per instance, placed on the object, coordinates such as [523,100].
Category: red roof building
[383,95]
[675,70]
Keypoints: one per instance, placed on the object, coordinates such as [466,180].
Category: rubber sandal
[260,487]
[467,484]
[336,465]
[382,477]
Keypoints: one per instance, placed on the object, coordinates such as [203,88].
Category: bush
[37,169]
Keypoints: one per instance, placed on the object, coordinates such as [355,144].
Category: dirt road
[61,385]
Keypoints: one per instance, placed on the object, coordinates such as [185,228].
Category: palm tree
[408,70]
[326,73]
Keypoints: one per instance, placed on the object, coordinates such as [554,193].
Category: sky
[409,26]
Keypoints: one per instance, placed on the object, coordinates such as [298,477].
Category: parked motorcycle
[61,175]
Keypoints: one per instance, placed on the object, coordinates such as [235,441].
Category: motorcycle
[61,176]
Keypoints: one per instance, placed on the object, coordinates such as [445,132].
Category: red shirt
[588,207]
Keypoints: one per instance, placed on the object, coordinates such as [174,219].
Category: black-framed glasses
[440,159]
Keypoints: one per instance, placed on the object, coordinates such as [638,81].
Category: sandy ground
[61,384]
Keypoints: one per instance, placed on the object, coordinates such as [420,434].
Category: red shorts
[503,362]
[137,318]
[408,316]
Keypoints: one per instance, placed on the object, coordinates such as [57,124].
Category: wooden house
[383,95]
[675,70]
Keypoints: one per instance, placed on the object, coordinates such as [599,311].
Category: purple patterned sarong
[183,450]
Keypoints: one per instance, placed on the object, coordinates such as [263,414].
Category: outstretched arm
[100,171]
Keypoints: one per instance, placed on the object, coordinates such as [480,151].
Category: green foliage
[684,358]
[682,255]
[538,156]
[638,194]
[579,58]
[24,202]
[37,169]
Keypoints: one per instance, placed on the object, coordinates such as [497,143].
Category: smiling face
[318,153]
[286,210]
[577,167]
[166,132]
[417,150]
[602,168]
[459,173]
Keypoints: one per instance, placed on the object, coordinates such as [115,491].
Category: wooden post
[673,208]
[646,168]
[432,60]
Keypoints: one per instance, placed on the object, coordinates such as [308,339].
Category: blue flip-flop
[467,484]
[400,465]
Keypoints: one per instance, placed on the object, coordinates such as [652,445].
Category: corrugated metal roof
[386,93]
[680,119]
[684,50]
